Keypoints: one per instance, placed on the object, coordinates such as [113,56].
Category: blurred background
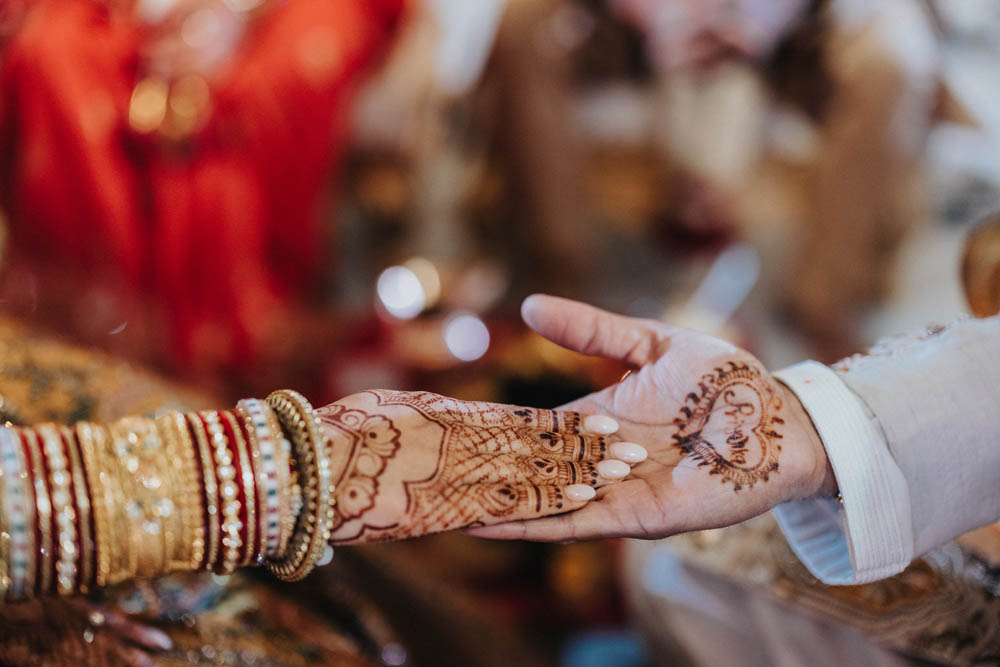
[337,195]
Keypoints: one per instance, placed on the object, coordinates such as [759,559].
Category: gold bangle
[19,513]
[192,510]
[82,494]
[121,465]
[43,514]
[165,461]
[178,502]
[94,446]
[228,494]
[248,477]
[147,484]
[312,529]
[117,481]
[194,516]
[210,488]
[125,441]
[64,548]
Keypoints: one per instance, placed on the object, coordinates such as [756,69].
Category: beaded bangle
[4,540]
[43,508]
[273,476]
[246,475]
[19,513]
[83,509]
[261,477]
[65,553]
[211,492]
[5,531]
[312,530]
[228,493]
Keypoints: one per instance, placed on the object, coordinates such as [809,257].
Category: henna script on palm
[729,425]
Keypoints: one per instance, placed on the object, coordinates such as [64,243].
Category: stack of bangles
[94,505]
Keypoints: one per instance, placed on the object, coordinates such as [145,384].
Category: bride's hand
[413,463]
[726,441]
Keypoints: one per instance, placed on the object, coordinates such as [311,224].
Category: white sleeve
[849,544]
[913,440]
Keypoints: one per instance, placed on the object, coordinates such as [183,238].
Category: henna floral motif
[374,440]
[729,425]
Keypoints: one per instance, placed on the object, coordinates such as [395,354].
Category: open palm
[725,440]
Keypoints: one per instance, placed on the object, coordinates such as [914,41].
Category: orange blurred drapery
[220,228]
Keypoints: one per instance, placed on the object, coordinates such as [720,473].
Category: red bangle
[233,517]
[82,505]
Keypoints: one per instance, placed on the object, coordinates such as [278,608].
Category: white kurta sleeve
[850,544]
[912,434]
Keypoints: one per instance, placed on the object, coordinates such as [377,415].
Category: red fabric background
[224,231]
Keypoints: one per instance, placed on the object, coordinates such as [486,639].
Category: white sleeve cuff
[872,537]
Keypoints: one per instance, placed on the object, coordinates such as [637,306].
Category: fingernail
[601,424]
[158,639]
[613,469]
[139,658]
[580,492]
[629,452]
[326,558]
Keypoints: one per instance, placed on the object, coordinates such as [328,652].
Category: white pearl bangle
[20,513]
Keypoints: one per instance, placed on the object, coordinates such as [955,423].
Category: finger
[585,523]
[98,616]
[137,657]
[590,330]
[600,425]
[148,637]
[570,446]
[555,444]
[553,472]
[515,502]
[629,452]
[484,414]
[560,421]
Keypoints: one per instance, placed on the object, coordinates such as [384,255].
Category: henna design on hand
[729,425]
[491,463]
[374,439]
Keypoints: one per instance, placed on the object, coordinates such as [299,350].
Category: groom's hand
[726,441]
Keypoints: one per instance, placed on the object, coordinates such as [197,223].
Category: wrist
[818,479]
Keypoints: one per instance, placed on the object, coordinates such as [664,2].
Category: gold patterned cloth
[241,620]
[944,608]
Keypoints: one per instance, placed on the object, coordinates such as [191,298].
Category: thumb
[590,330]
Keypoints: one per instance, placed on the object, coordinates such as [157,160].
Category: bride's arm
[273,482]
